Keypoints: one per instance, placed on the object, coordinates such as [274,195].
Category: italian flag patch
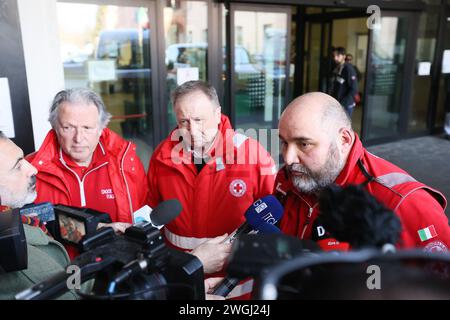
[427,233]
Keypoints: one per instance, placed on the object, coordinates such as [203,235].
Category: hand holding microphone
[213,254]
[261,216]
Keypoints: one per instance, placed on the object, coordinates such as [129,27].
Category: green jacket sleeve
[46,257]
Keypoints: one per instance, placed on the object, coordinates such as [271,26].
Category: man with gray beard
[46,256]
[320,148]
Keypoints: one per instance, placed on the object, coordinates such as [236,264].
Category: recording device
[261,216]
[136,265]
[252,254]
[354,216]
[13,245]
[255,255]
[406,274]
[285,268]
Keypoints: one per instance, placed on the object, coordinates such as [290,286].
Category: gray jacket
[46,257]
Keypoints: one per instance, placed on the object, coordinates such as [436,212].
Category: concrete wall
[44,68]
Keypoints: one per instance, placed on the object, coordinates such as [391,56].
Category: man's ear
[218,114]
[346,139]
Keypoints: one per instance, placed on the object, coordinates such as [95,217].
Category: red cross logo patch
[238,188]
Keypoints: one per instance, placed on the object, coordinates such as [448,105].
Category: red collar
[355,154]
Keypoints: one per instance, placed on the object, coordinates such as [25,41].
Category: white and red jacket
[418,206]
[238,172]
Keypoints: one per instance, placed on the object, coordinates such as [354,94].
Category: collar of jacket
[356,153]
[47,157]
[49,151]
[171,147]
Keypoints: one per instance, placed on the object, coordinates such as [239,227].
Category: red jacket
[417,205]
[125,170]
[215,200]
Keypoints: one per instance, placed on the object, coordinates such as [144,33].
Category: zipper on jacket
[80,181]
[308,219]
[125,180]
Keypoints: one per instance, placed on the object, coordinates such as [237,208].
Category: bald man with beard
[320,148]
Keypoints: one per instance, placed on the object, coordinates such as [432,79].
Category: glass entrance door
[387,77]
[107,48]
[260,64]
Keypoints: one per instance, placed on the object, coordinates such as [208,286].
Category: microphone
[164,213]
[260,216]
[353,215]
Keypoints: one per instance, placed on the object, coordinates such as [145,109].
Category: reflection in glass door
[386,71]
[186,36]
[260,38]
[443,104]
[107,48]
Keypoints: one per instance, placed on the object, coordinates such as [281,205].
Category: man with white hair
[320,148]
[84,164]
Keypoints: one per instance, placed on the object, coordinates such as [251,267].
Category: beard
[314,181]
[18,200]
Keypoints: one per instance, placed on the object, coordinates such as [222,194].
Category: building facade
[258,54]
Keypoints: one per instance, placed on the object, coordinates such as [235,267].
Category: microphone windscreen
[264,213]
[353,215]
[165,212]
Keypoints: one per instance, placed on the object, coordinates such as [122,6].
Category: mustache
[32,183]
[295,167]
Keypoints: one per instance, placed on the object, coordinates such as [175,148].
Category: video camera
[135,265]
[287,268]
[13,245]
[77,226]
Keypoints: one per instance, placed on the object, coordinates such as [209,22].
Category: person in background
[344,86]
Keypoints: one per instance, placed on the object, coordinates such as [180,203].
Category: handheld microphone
[353,215]
[260,217]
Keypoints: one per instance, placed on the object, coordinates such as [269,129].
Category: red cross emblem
[238,188]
